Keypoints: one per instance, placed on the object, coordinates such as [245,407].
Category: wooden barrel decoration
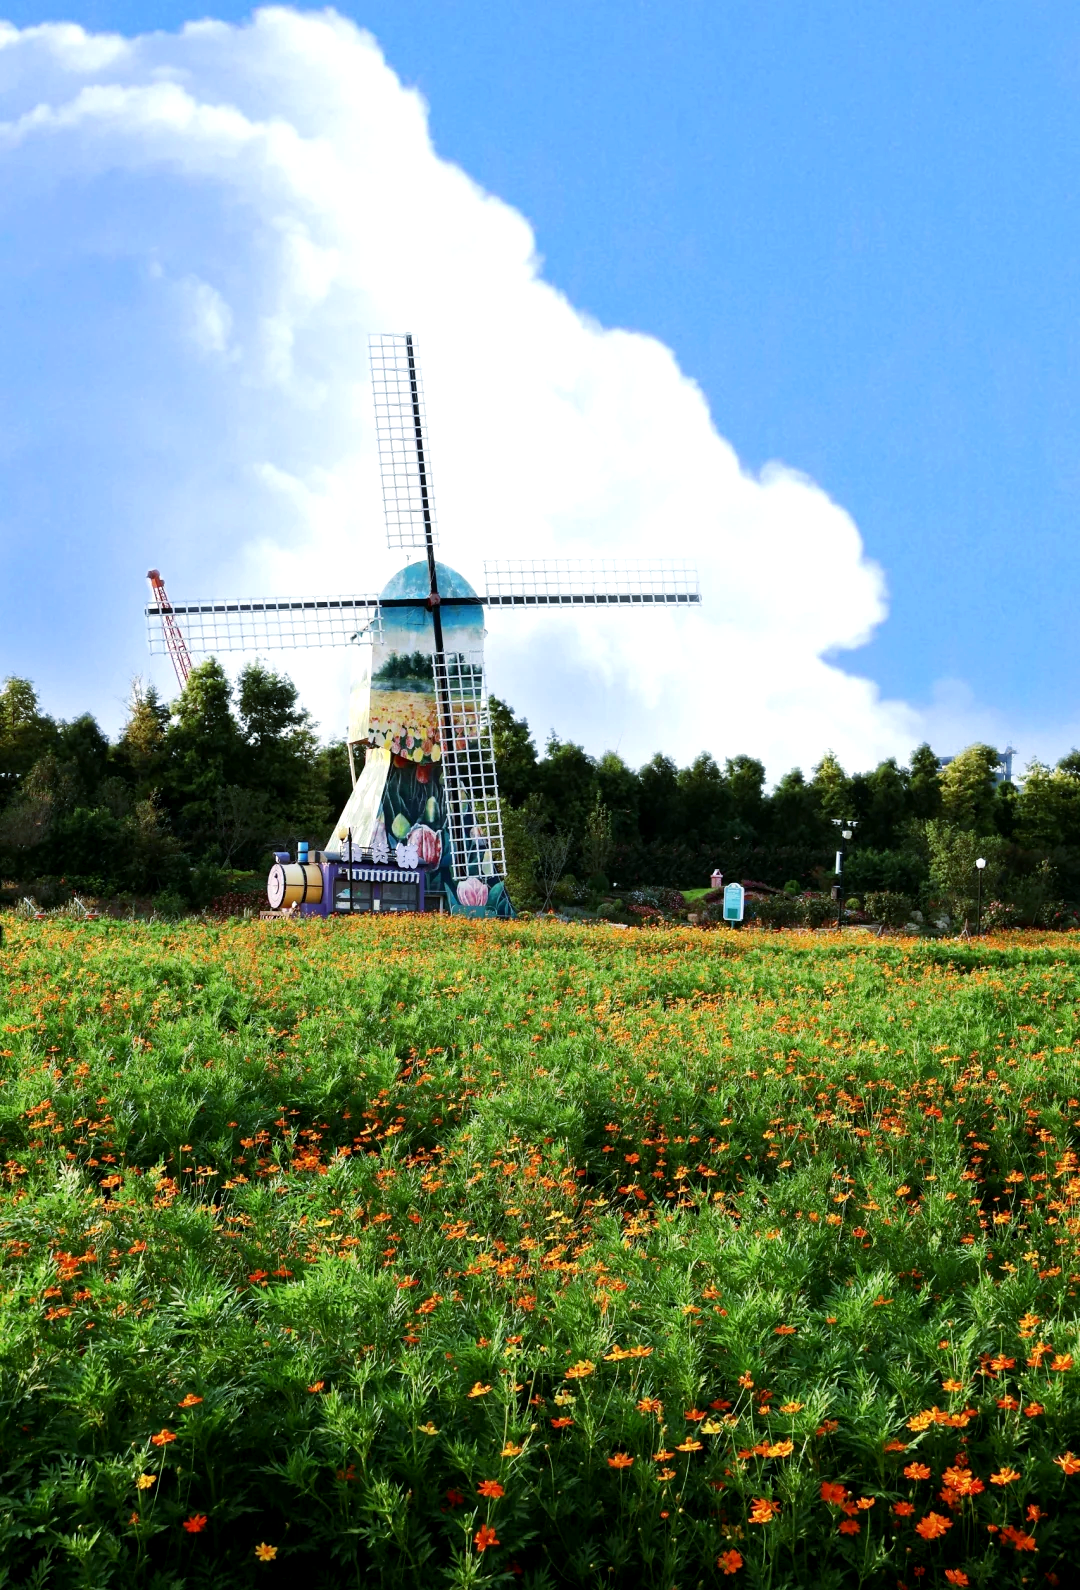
[292,883]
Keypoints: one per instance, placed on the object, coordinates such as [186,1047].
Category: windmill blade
[599,582]
[400,428]
[264,625]
[470,788]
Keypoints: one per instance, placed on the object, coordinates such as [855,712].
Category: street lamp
[980,864]
[846,828]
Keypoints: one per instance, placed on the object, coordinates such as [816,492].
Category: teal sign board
[734,902]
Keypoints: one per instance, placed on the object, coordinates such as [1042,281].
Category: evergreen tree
[515,754]
[924,784]
[967,789]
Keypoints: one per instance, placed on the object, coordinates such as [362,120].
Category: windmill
[427,798]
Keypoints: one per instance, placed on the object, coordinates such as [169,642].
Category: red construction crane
[174,640]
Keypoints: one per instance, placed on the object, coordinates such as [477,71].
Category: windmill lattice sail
[265,625]
[468,766]
[591,582]
[401,432]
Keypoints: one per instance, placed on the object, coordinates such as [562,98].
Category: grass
[463,1253]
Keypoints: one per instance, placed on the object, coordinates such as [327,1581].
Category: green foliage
[967,789]
[363,1221]
[893,910]
[953,874]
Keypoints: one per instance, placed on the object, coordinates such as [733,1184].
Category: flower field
[456,1252]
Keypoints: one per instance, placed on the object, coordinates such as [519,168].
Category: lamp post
[846,831]
[980,865]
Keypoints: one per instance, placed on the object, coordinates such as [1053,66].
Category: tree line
[189,789]
[227,771]
[918,827]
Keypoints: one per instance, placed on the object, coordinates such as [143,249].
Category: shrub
[888,907]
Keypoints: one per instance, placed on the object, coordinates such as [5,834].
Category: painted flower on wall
[427,843]
[472,892]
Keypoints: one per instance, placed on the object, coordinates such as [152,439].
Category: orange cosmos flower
[190,1401]
[763,1510]
[791,1407]
[162,1438]
[688,1446]
[561,1424]
[1033,1410]
[917,1471]
[195,1524]
[746,1381]
[850,1526]
[779,1449]
[1004,1476]
[1068,1464]
[578,1371]
[784,1330]
[485,1536]
[621,1460]
[264,1552]
[729,1561]
[952,1385]
[490,1488]
[833,1493]
[317,1387]
[932,1526]
[894,1446]
[903,1509]
[956,1576]
[1017,1539]
[511,1451]
[1062,1361]
[962,1481]
[479,1391]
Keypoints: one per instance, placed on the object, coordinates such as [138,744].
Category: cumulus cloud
[257,200]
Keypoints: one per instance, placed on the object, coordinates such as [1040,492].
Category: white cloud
[284,177]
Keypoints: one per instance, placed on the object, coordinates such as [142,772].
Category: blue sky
[854,226]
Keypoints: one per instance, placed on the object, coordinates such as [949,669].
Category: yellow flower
[711,1427]
[479,1391]
[427,1429]
[145,1481]
[578,1371]
[264,1552]
[511,1451]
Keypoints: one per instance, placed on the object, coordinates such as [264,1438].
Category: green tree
[953,874]
[1048,808]
[705,801]
[515,753]
[620,792]
[567,783]
[203,752]
[795,817]
[833,788]
[924,784]
[882,806]
[140,750]
[26,734]
[968,789]
[745,777]
[660,808]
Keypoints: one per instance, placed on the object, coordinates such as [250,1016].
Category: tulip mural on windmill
[427,793]
[426,803]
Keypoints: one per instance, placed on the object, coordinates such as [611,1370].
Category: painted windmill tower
[425,805]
